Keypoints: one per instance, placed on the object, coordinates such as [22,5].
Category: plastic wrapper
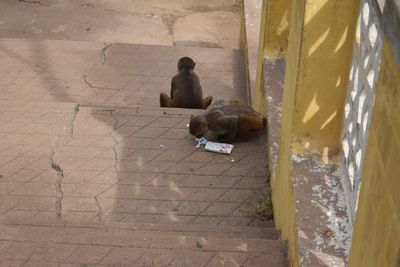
[219,147]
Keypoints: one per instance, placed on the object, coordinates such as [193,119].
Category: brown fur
[186,91]
[228,123]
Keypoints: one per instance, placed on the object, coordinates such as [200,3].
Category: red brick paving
[120,165]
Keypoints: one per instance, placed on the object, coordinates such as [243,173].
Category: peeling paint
[327,196]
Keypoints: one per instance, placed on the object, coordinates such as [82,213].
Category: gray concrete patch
[140,22]
[213,29]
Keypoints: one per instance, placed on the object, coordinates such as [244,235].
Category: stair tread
[140,239]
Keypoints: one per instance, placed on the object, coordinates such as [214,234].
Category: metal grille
[360,96]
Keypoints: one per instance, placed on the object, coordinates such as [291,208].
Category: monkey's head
[186,63]
[198,126]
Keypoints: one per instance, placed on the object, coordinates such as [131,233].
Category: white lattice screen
[360,96]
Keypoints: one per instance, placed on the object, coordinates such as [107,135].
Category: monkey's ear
[194,64]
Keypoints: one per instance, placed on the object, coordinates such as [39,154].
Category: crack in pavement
[145,14]
[30,2]
[43,252]
[104,52]
[169,21]
[87,5]
[112,10]
[84,78]
[59,190]
[89,84]
[71,124]
[115,126]
[100,213]
[234,8]
[56,167]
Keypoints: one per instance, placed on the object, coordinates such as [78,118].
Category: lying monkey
[186,91]
[228,123]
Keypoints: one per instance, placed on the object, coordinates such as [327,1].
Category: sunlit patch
[351,174]
[355,85]
[361,101]
[358,32]
[358,158]
[325,155]
[341,40]
[365,14]
[318,42]
[307,145]
[302,234]
[345,146]
[243,247]
[365,121]
[372,34]
[339,81]
[175,188]
[172,217]
[358,196]
[346,110]
[311,110]
[284,24]
[370,78]
[328,120]
[182,239]
[315,10]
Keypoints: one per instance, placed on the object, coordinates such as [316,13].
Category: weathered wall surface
[377,226]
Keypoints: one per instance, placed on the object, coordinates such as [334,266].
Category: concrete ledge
[274,75]
[250,36]
[322,224]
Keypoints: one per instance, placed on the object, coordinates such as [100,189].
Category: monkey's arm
[211,135]
[228,127]
[173,86]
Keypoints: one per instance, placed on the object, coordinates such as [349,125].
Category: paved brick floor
[117,181]
[97,73]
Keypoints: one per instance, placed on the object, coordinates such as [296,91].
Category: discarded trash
[229,159]
[215,147]
[187,125]
[163,146]
[200,141]
[219,147]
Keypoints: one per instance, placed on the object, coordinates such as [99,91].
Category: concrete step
[117,181]
[108,245]
[112,73]
[266,232]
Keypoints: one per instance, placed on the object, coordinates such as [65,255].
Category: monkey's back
[234,109]
[187,91]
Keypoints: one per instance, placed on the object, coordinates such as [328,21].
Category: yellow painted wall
[243,45]
[376,238]
[274,33]
[317,67]
[282,183]
[277,19]
[325,60]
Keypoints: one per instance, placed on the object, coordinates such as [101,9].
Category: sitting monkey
[228,123]
[186,91]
